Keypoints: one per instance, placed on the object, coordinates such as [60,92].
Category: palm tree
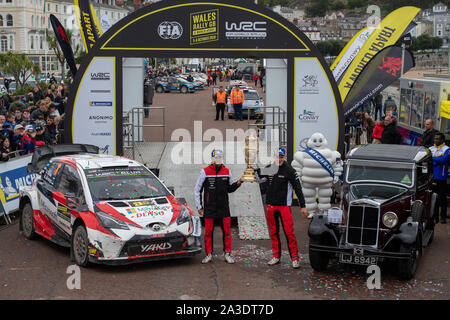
[54,45]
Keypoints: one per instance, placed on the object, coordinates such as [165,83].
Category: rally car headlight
[390,219]
[184,216]
[110,222]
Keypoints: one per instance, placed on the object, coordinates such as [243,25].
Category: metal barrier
[279,117]
[133,126]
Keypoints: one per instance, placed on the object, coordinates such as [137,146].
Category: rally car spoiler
[43,154]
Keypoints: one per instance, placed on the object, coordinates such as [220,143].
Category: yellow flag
[445,109]
[386,34]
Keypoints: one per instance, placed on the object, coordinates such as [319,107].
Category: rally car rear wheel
[28,222]
[159,89]
[184,89]
[80,246]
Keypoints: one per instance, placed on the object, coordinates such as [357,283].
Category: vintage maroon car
[388,210]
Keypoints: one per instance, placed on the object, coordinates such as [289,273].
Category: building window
[56,8]
[9,20]
[8,1]
[32,20]
[1,20]
[3,44]
[11,42]
[41,43]
[48,7]
[31,42]
[65,9]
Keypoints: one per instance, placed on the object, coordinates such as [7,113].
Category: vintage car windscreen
[380,171]
[123,183]
[375,191]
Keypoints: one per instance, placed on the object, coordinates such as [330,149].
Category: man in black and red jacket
[215,181]
[281,180]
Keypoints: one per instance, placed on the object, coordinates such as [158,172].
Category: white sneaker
[207,259]
[273,261]
[229,258]
[296,264]
[311,215]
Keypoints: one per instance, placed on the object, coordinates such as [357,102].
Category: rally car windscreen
[123,184]
[399,173]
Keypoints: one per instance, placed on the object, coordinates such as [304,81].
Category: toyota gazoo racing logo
[170,30]
[246,29]
[155,247]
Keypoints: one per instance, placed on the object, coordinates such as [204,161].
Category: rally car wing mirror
[58,196]
[172,190]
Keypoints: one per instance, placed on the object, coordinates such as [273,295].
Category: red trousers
[226,233]
[275,214]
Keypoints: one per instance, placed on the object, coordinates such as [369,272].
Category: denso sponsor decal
[156,247]
[150,213]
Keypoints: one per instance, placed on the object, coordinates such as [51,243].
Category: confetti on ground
[339,281]
[253,228]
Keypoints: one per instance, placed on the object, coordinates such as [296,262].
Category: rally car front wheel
[27,222]
[80,246]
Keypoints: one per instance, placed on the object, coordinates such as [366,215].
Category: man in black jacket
[280,184]
[215,182]
[428,135]
[390,133]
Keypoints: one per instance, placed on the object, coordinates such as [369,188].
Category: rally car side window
[51,172]
[70,183]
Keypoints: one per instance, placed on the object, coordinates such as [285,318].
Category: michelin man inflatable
[318,168]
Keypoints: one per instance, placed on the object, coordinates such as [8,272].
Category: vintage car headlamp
[390,219]
[110,222]
[184,216]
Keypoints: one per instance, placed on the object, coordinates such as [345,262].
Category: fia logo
[170,30]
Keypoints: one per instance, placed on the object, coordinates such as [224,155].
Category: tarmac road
[38,269]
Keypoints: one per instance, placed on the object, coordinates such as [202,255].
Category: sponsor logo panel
[246,30]
[170,30]
[204,26]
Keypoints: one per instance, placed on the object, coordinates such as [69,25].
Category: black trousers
[220,108]
[441,190]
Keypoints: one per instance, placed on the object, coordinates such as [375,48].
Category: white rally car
[107,209]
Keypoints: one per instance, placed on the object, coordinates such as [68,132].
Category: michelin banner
[315,106]
[13,174]
[387,33]
[95,106]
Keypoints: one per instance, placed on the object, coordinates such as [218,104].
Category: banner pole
[403,58]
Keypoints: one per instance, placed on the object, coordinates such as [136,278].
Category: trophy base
[249,176]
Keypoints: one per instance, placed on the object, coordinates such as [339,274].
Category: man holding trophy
[215,182]
[281,180]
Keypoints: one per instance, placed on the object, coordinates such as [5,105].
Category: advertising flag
[86,23]
[64,43]
[378,74]
[350,52]
[385,34]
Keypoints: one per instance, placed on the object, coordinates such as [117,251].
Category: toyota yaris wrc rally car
[107,209]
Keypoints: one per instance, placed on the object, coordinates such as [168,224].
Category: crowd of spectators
[32,120]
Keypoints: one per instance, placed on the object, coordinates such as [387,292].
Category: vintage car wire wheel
[80,246]
[28,222]
[318,260]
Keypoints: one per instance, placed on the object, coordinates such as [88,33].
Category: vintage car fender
[318,228]
[434,199]
[408,233]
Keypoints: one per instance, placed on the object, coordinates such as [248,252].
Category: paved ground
[37,270]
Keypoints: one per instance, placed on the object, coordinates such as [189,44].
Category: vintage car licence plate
[363,260]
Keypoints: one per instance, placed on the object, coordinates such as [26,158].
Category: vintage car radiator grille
[362,227]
